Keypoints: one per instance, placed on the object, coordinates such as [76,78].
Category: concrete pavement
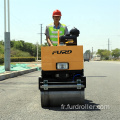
[20,97]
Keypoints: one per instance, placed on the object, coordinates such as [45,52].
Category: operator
[51,31]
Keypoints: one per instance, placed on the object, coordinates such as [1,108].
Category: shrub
[19,59]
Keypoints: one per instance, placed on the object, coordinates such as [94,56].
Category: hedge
[19,59]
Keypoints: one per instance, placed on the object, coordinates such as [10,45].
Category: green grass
[112,60]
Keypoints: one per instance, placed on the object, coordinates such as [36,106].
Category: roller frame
[58,91]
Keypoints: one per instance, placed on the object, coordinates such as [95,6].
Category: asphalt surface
[20,97]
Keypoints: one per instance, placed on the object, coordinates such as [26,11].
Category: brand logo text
[62,52]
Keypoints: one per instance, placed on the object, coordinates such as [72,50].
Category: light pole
[41,34]
[37,51]
[7,38]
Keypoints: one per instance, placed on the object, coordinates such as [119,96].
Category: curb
[16,73]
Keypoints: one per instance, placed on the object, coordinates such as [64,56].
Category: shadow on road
[88,106]
[96,76]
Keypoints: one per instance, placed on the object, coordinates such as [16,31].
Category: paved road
[20,97]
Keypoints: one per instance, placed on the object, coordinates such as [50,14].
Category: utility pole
[108,44]
[7,38]
[5,15]
[41,33]
[92,52]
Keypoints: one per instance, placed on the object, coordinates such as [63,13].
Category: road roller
[62,79]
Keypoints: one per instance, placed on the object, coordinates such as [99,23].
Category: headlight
[62,66]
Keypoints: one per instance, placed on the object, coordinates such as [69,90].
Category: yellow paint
[50,58]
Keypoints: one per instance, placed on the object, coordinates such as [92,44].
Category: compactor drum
[62,78]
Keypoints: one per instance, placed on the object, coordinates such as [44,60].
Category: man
[51,31]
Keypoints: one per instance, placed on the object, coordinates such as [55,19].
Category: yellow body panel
[70,54]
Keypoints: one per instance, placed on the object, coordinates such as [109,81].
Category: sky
[97,20]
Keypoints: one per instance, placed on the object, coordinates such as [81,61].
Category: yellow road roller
[62,79]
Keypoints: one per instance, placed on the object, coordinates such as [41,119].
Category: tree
[104,53]
[26,47]
[1,47]
[116,53]
[1,42]
[87,51]
[45,44]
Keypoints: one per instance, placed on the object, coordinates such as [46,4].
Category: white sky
[97,20]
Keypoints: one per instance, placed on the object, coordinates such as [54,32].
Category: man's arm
[48,41]
[47,37]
